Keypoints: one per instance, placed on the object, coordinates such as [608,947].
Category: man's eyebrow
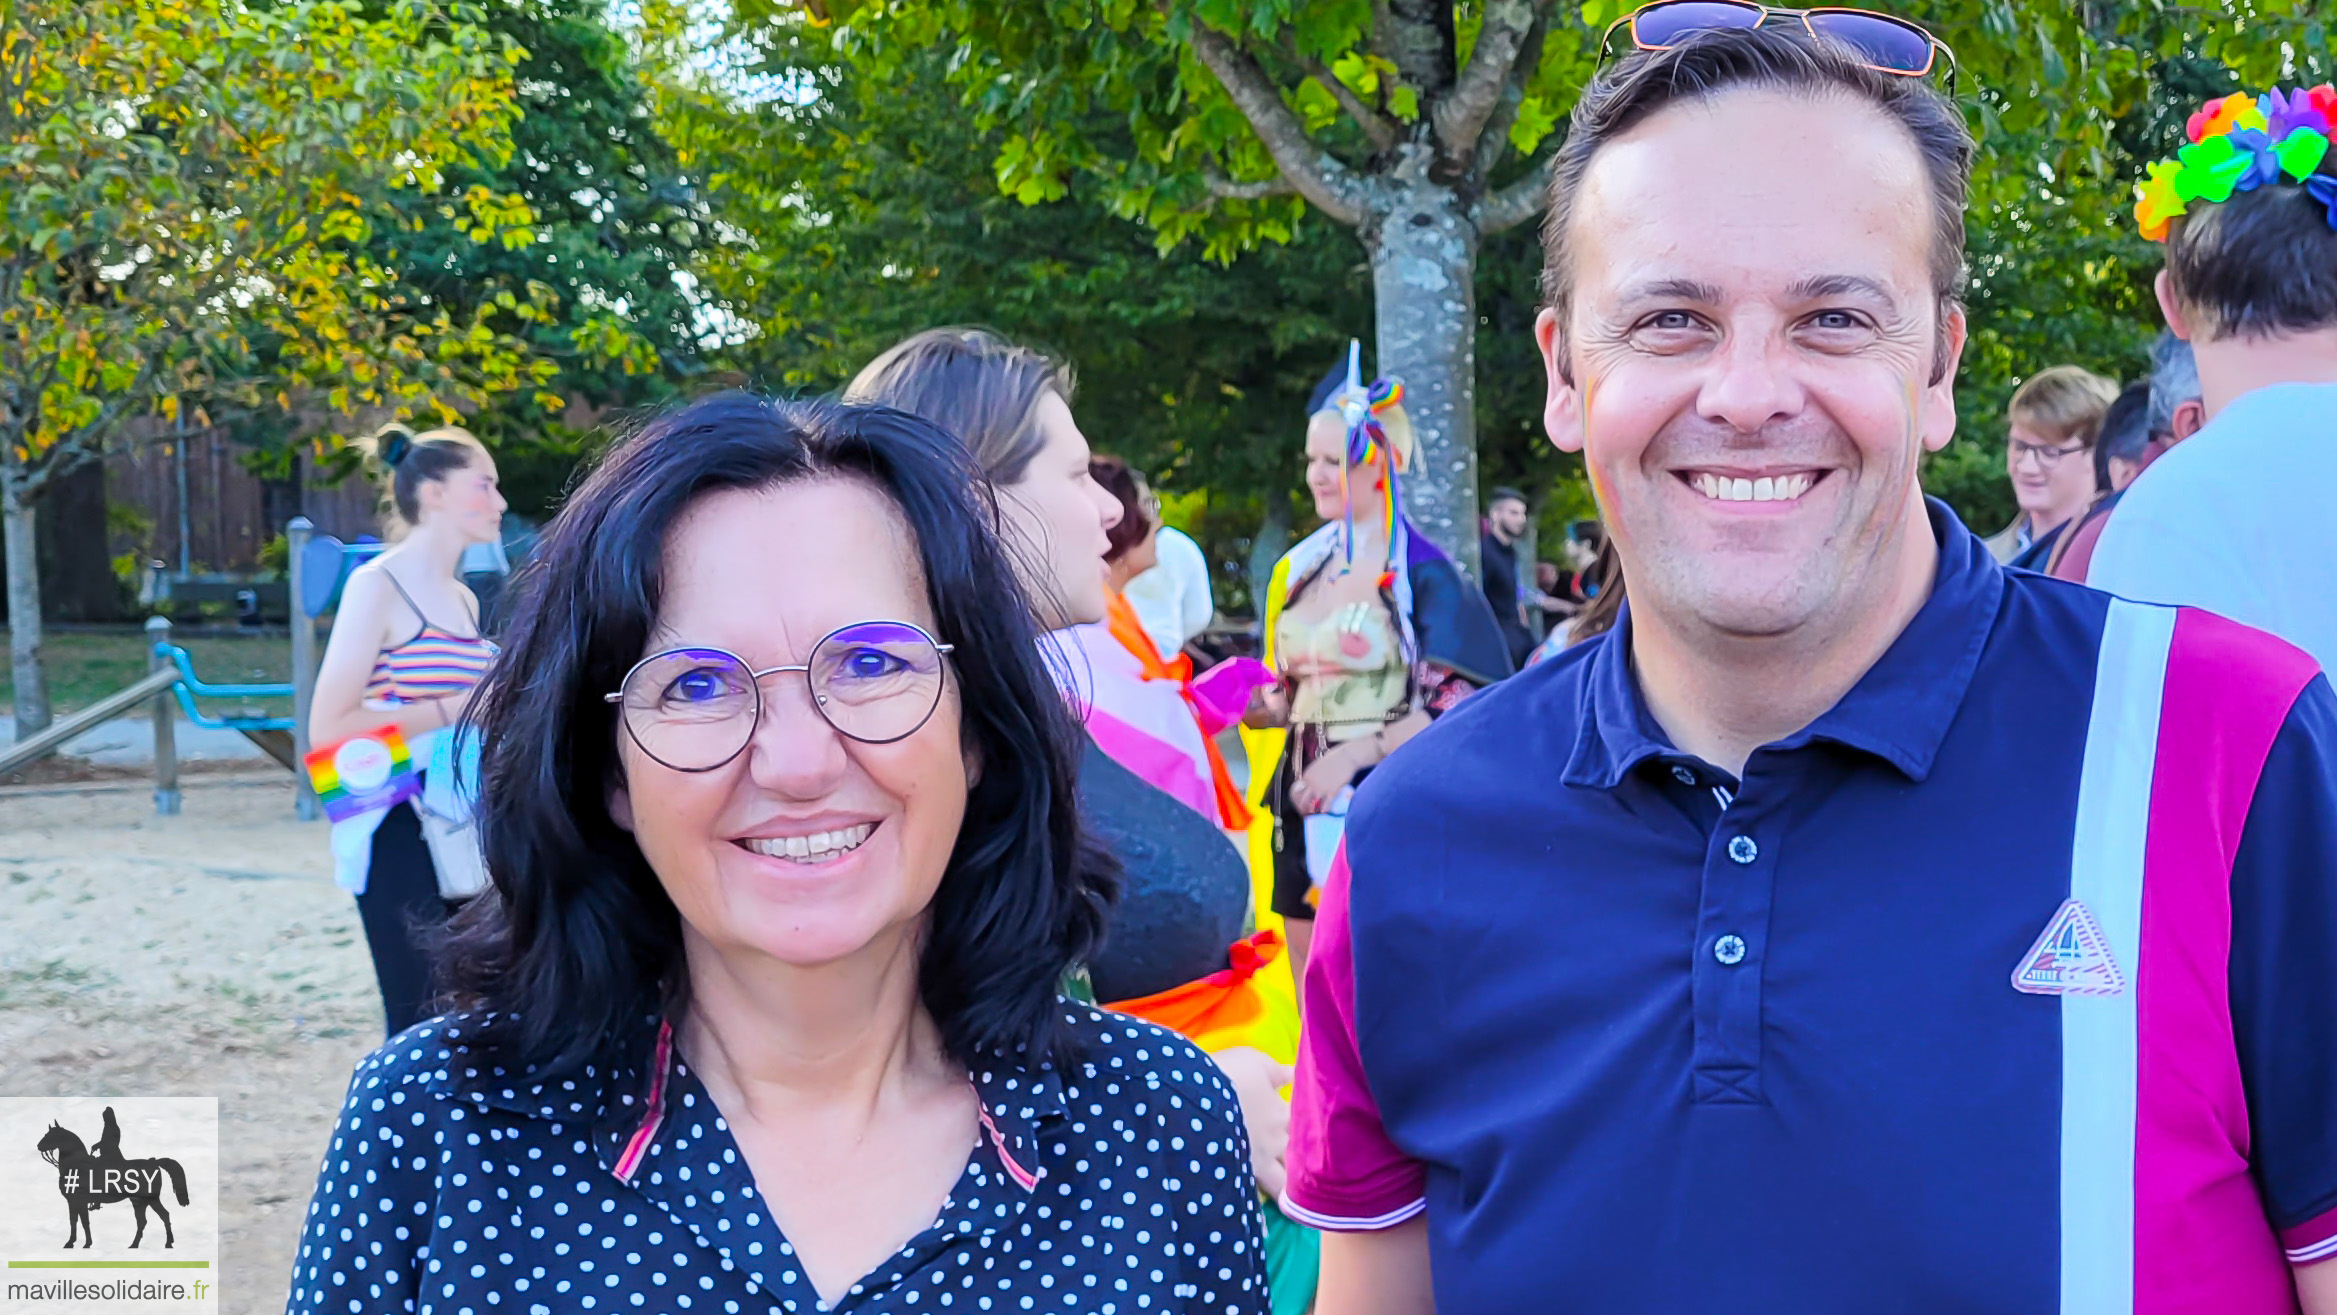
[1674,290]
[1840,285]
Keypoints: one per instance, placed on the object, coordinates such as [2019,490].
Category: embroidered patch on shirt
[2071,958]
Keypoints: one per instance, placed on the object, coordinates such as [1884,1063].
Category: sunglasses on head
[1883,42]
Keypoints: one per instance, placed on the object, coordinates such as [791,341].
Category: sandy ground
[207,954]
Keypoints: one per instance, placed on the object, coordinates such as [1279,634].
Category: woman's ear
[621,807]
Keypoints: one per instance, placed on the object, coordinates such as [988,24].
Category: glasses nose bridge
[763,704]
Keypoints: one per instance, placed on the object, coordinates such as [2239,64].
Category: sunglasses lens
[1667,23]
[1882,41]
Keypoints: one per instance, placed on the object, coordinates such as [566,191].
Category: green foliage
[1106,106]
[862,216]
[184,185]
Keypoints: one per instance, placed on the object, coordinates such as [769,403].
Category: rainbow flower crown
[2241,143]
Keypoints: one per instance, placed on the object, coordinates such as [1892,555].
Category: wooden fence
[230,513]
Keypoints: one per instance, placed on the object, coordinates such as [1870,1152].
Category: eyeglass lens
[1882,41]
[694,709]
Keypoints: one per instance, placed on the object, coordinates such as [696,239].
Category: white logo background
[33,1213]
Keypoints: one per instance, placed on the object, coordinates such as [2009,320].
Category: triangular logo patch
[2071,958]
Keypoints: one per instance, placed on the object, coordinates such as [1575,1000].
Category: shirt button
[1743,850]
[1683,776]
[1730,950]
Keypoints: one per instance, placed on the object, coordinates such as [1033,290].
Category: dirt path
[203,955]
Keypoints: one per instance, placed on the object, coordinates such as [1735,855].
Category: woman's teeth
[815,848]
[1784,488]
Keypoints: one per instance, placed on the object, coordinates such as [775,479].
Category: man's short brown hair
[2063,402]
[1775,58]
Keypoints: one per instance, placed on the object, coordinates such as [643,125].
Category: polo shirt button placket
[1726,984]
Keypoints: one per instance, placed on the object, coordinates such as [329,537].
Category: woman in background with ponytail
[406,651]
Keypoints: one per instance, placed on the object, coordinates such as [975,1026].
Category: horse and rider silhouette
[88,1180]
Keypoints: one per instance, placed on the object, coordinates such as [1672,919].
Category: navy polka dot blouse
[451,1188]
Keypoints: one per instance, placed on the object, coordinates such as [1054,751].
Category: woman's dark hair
[1124,484]
[974,383]
[409,460]
[575,943]
[1597,616]
[2125,432]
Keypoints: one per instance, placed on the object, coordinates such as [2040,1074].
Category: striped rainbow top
[434,664]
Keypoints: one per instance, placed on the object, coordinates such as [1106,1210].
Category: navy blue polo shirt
[2006,985]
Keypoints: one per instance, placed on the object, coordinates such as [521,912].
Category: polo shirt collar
[1899,711]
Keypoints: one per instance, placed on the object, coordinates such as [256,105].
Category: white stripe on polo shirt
[2098,1037]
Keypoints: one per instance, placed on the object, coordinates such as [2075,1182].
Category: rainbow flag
[368,771]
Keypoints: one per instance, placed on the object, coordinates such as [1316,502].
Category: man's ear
[2170,304]
[2188,419]
[1935,419]
[1562,404]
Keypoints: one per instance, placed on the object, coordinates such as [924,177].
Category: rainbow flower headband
[2239,144]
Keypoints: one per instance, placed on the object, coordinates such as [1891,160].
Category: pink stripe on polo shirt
[2201,1238]
[1343,1172]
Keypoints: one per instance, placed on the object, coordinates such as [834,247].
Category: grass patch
[52,982]
[86,665]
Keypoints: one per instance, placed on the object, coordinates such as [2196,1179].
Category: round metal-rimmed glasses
[695,708]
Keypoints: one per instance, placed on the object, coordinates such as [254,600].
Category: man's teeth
[814,848]
[1783,488]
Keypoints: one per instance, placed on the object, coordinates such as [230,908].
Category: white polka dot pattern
[467,1190]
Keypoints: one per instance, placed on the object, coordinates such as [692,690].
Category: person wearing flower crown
[1371,630]
[2236,519]
[1858,925]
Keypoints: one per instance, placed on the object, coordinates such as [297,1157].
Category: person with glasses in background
[762,1010]
[2050,425]
[2133,436]
[1858,925]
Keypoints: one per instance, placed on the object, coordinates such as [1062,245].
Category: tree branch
[1383,131]
[1460,116]
[1518,202]
[1493,140]
[1313,172]
[1226,189]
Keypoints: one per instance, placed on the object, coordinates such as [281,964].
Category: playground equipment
[319,566]
[171,686]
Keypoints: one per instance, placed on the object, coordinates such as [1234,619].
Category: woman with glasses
[1184,911]
[762,1009]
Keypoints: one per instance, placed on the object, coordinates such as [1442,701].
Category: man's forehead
[1751,190]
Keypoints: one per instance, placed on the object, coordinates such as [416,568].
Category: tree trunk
[1423,273]
[24,601]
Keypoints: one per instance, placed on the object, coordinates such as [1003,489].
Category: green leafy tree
[1427,127]
[186,188]
[599,293]
[857,216]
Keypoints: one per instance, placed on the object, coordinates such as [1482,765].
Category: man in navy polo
[1856,927]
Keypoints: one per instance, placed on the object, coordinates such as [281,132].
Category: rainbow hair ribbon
[2241,143]
[1367,410]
